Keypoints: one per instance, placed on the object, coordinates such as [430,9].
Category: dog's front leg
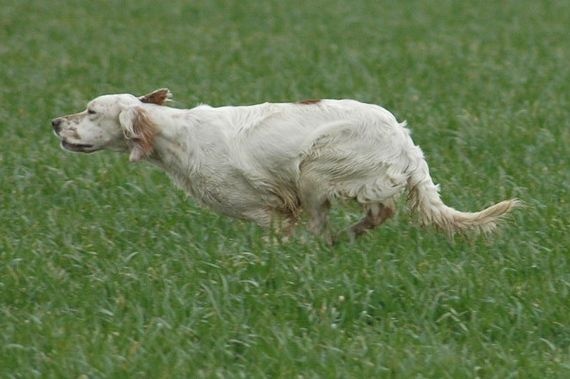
[319,220]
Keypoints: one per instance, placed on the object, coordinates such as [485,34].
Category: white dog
[267,162]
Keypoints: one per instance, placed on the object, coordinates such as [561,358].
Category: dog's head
[112,122]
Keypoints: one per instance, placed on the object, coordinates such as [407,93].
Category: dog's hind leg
[376,214]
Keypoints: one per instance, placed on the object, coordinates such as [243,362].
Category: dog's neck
[175,148]
[186,148]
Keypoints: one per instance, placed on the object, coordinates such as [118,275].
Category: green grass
[106,270]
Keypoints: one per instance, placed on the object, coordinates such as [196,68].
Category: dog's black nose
[56,124]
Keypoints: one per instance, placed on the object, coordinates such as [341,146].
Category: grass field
[107,271]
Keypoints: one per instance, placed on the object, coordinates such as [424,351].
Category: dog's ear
[139,131]
[158,97]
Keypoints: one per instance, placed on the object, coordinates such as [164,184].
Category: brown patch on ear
[158,97]
[140,131]
[309,101]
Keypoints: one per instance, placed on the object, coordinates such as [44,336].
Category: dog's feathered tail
[426,202]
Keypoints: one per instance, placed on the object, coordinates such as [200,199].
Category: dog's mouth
[78,147]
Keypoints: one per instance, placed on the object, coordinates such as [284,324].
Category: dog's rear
[373,160]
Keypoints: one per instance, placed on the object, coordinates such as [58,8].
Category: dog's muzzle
[56,125]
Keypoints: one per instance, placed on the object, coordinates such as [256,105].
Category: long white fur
[269,161]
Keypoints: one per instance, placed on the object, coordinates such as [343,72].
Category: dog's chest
[229,192]
[221,190]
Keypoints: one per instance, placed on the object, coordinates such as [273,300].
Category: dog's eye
[90,111]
